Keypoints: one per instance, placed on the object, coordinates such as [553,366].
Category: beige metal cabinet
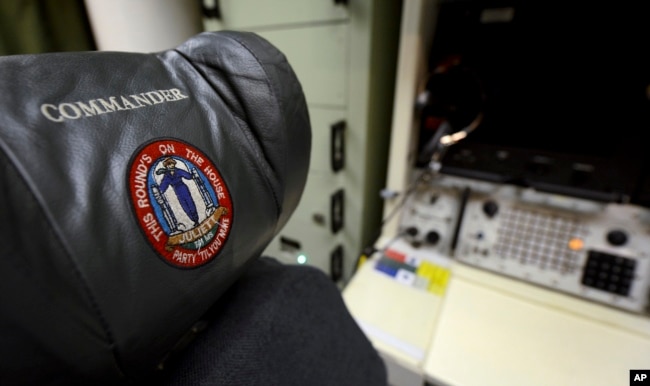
[344,53]
[258,14]
[319,56]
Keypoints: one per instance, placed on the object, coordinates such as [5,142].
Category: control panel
[593,250]
[430,217]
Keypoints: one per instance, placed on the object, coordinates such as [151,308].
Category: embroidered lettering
[79,109]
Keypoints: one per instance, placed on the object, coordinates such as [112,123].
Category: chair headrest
[135,188]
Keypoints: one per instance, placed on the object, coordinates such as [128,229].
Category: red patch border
[148,154]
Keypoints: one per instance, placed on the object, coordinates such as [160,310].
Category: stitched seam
[248,135]
[56,232]
[275,97]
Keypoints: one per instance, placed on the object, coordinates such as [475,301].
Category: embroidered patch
[181,202]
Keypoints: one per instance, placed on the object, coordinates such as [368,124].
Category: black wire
[399,206]
[370,249]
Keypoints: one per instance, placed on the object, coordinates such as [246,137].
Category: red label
[395,255]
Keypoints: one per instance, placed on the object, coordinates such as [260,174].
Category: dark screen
[566,81]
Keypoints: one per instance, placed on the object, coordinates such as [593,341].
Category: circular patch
[181,202]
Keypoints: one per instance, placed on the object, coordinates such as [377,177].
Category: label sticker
[181,202]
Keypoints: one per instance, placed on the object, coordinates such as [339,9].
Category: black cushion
[278,325]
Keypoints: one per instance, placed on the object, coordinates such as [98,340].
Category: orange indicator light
[576,244]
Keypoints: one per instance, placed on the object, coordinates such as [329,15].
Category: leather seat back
[135,188]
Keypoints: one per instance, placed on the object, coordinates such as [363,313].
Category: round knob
[411,231]
[432,237]
[490,208]
[617,237]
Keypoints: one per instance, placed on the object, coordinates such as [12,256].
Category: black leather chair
[137,193]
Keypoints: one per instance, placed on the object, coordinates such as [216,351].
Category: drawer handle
[337,211]
[336,263]
[337,150]
[211,11]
